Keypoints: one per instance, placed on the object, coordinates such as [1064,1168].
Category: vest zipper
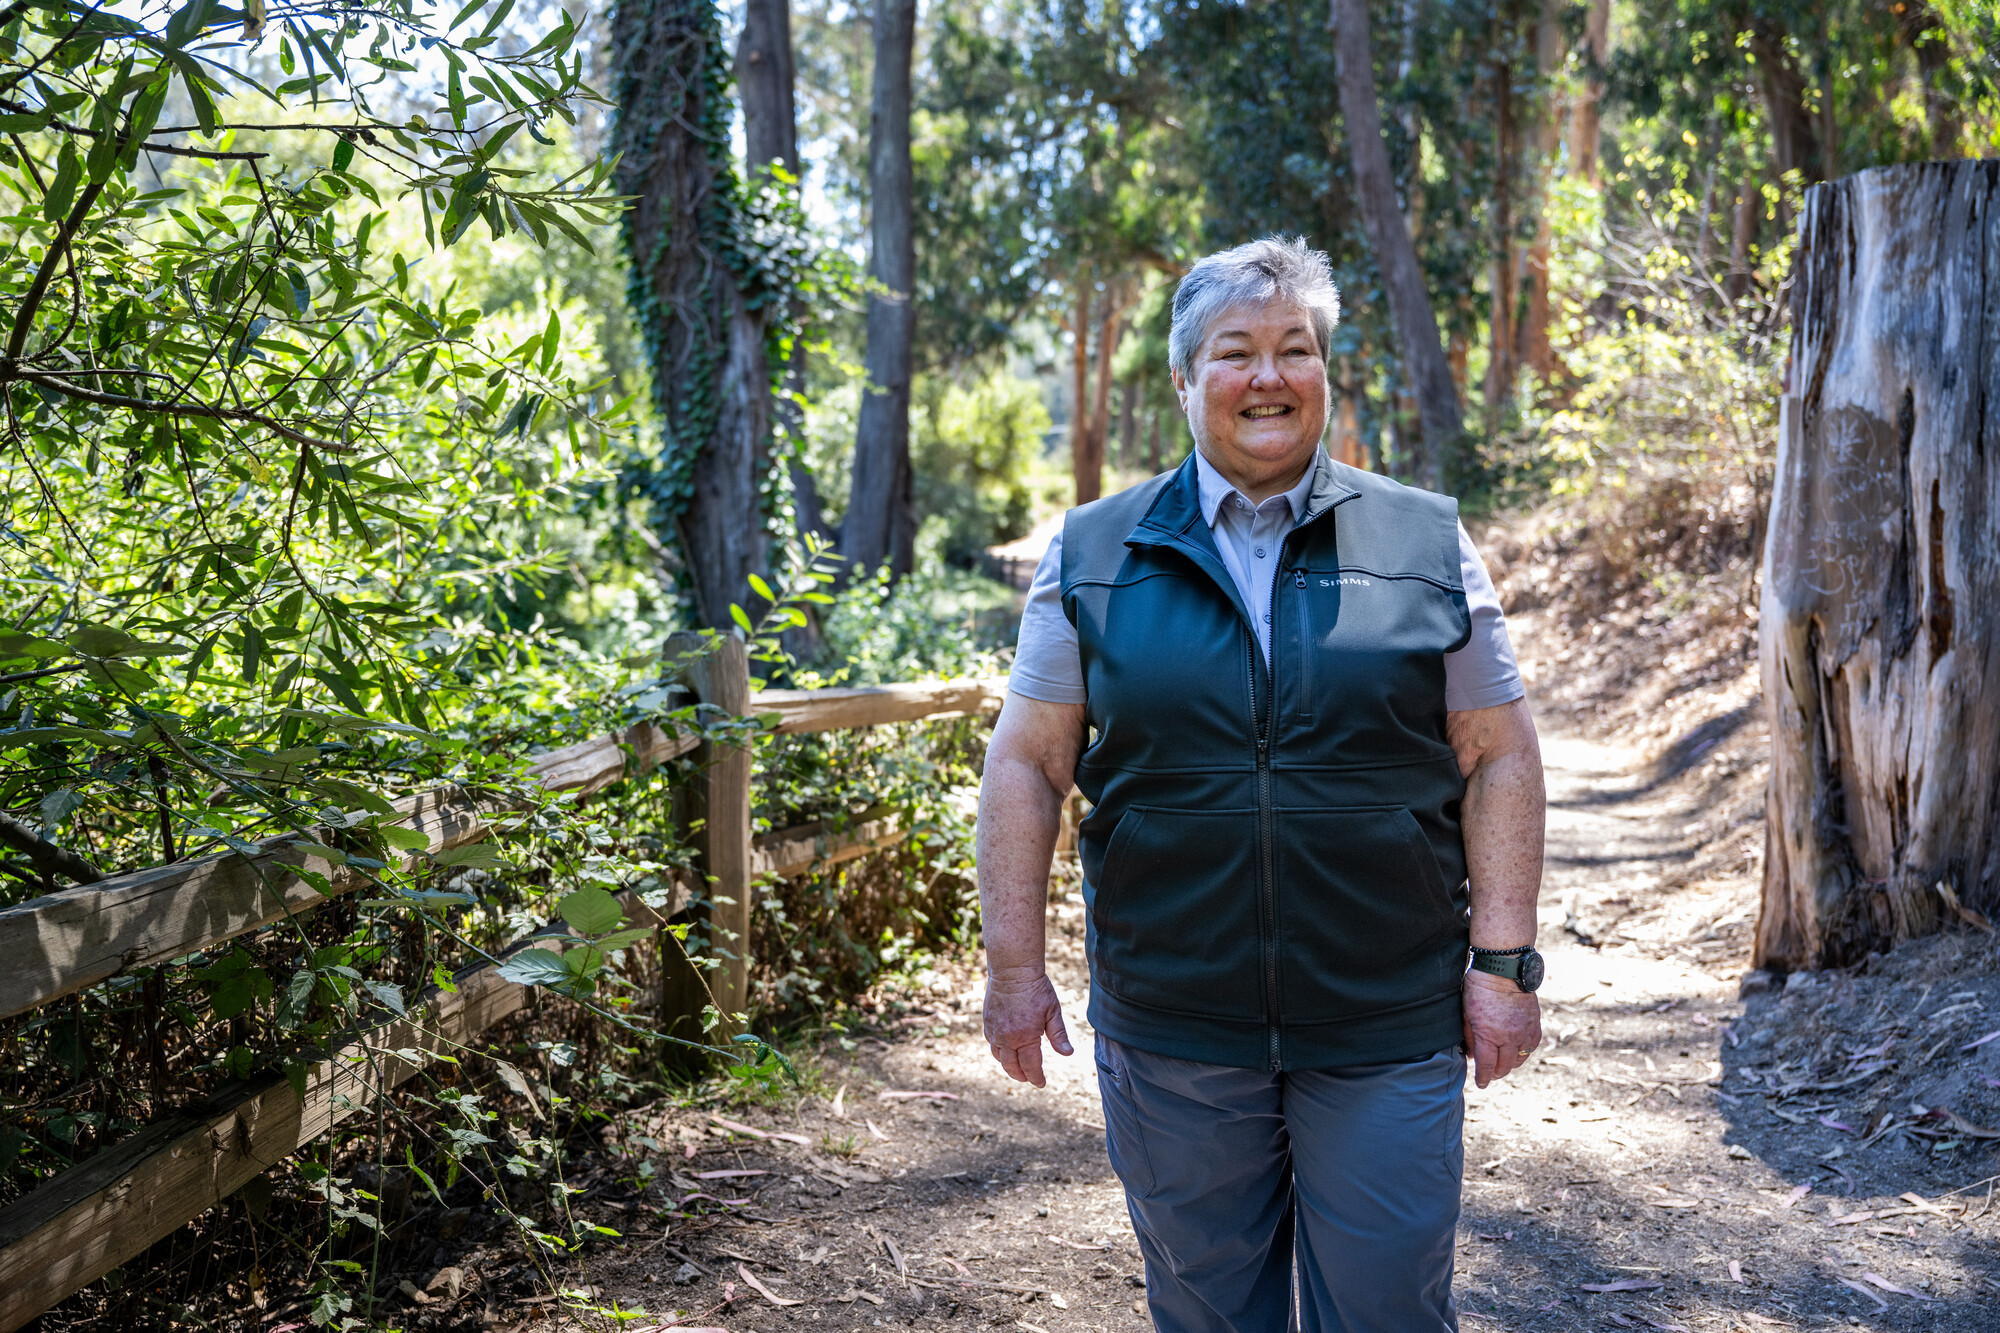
[1265,720]
[1305,647]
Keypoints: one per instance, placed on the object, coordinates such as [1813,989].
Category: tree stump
[1881,664]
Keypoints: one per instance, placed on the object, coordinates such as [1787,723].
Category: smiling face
[1257,399]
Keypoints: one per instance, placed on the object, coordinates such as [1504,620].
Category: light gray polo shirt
[1048,667]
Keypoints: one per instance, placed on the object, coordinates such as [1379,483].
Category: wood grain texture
[88,1220]
[720,676]
[1880,625]
[61,942]
[878,705]
[793,852]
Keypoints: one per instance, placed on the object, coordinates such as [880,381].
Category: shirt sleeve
[1482,674]
[1047,665]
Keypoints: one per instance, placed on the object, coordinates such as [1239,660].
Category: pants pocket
[1124,1140]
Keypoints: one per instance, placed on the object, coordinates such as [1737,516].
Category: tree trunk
[1153,463]
[1347,447]
[1128,425]
[1501,367]
[881,518]
[1533,340]
[1396,258]
[764,85]
[1585,125]
[1110,326]
[1926,36]
[710,382]
[1794,145]
[1880,631]
[1743,232]
[1087,473]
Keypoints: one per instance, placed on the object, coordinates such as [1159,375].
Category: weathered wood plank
[721,677]
[60,943]
[88,1220]
[877,705]
[63,942]
[795,851]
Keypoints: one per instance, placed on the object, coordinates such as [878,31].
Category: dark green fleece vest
[1273,864]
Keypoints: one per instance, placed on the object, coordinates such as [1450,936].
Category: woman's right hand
[1021,1008]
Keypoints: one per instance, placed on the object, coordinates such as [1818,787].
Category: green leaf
[57,807]
[742,618]
[343,154]
[591,910]
[620,939]
[551,341]
[187,23]
[69,170]
[534,967]
[331,854]
[404,839]
[301,289]
[762,589]
[475,856]
[24,124]
[15,645]
[389,994]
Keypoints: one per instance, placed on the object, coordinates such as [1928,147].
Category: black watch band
[1522,966]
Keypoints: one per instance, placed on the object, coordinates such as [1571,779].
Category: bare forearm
[1019,816]
[1502,822]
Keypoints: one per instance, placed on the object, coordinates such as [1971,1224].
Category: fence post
[719,676]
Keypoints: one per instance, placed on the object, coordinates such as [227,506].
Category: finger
[1484,1057]
[1031,1062]
[1010,1062]
[1059,1035]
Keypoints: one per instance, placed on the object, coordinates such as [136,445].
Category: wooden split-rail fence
[89,1219]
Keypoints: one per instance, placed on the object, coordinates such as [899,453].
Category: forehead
[1259,322]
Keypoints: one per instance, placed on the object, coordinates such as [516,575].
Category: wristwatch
[1522,966]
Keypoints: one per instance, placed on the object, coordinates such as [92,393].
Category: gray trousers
[1232,1174]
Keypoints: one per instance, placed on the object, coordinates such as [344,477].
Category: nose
[1266,376]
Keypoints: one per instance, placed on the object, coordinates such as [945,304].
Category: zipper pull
[1299,579]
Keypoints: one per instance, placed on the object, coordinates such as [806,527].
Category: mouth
[1267,410]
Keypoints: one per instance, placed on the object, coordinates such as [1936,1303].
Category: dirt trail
[1641,1146]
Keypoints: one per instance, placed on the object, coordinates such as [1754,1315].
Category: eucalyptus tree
[880,526]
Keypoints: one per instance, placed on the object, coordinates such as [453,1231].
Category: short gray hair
[1271,268]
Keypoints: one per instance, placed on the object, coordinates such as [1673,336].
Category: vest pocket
[1175,912]
[1364,920]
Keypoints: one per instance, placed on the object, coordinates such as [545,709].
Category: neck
[1263,483]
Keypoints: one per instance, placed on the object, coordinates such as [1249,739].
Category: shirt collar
[1214,488]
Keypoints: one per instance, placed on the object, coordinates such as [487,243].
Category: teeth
[1267,411]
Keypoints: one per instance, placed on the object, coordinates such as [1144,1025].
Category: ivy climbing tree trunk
[1881,606]
[704,339]
[1424,364]
[881,515]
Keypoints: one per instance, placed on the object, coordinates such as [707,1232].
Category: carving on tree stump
[1880,657]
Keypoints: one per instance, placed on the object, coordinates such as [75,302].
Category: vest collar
[1174,519]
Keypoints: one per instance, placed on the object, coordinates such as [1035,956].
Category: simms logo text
[1354,579]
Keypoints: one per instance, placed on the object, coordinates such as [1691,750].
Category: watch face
[1531,971]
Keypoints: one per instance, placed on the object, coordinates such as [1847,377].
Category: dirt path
[1646,1145]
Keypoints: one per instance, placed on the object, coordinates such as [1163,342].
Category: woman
[1315,786]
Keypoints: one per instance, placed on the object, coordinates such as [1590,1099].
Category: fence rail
[87,1220]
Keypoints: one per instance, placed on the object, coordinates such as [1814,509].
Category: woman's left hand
[1503,1023]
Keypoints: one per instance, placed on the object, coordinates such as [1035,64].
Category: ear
[1180,386]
